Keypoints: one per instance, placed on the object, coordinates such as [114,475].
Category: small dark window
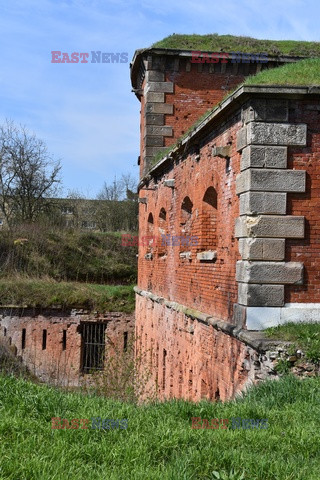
[164,369]
[23,339]
[228,165]
[64,339]
[125,341]
[93,346]
[44,339]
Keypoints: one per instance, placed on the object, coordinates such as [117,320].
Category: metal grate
[93,346]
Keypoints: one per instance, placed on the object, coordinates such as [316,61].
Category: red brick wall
[55,365]
[189,359]
[307,204]
[195,93]
[208,287]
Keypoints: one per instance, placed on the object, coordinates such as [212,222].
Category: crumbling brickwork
[243,188]
[51,343]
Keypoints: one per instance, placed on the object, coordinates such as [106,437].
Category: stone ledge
[254,339]
[208,256]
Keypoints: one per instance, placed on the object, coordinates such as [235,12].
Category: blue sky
[86,113]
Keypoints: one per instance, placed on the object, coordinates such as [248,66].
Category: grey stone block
[276,134]
[242,138]
[154,97]
[268,180]
[262,249]
[221,151]
[165,87]
[153,141]
[253,203]
[272,226]
[266,110]
[269,272]
[254,295]
[154,76]
[209,255]
[154,119]
[169,183]
[154,130]
[166,108]
[151,151]
[263,157]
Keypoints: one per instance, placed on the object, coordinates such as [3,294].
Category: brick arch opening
[149,239]
[186,224]
[162,232]
[208,220]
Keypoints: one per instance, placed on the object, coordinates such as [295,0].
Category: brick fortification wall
[58,358]
[238,193]
[174,93]
[306,250]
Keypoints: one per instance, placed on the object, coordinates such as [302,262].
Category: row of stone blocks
[154,115]
[262,186]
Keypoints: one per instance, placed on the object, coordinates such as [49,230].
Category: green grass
[47,293]
[159,442]
[228,43]
[304,72]
[66,255]
[305,336]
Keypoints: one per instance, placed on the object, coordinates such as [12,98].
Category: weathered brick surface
[189,359]
[193,282]
[55,365]
[307,204]
[178,274]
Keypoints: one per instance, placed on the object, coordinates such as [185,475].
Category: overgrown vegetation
[159,442]
[229,43]
[304,72]
[305,336]
[11,365]
[41,251]
[49,293]
[126,376]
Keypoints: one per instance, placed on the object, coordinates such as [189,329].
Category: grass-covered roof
[228,43]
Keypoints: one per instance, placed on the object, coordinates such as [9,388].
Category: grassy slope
[228,43]
[67,255]
[46,267]
[159,442]
[305,336]
[304,72]
[48,293]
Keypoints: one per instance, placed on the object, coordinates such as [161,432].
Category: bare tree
[118,209]
[119,189]
[28,174]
